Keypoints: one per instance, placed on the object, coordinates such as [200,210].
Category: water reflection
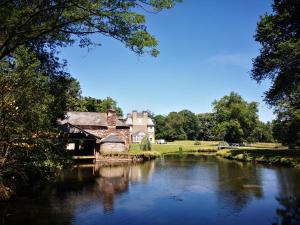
[238,183]
[288,212]
[114,180]
[174,190]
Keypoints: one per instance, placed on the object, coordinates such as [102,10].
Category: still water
[172,190]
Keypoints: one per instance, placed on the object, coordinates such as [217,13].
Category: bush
[223,143]
[145,144]
[180,149]
[197,143]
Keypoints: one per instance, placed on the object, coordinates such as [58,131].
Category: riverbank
[282,157]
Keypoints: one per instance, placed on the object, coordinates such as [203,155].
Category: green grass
[275,149]
[173,147]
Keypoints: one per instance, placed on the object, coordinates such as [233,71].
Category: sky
[206,51]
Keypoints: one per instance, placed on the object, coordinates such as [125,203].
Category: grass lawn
[173,147]
[204,146]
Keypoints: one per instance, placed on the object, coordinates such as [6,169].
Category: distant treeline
[233,120]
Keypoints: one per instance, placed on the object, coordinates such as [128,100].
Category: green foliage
[145,144]
[181,125]
[236,118]
[279,36]
[207,124]
[180,149]
[197,143]
[29,109]
[286,127]
[263,132]
[189,124]
[89,104]
[62,22]
[223,143]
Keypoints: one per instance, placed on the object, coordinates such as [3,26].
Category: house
[93,133]
[140,125]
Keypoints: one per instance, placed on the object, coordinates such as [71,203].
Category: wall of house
[139,122]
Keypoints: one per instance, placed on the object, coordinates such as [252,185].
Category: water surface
[172,190]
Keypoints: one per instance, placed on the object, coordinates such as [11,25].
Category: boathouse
[90,134]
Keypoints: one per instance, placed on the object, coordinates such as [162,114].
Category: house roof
[88,119]
[70,128]
[112,139]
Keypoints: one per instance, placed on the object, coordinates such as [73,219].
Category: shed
[112,143]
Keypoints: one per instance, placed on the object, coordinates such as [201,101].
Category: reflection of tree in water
[289,211]
[238,184]
[288,181]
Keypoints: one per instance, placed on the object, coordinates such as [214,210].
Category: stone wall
[112,147]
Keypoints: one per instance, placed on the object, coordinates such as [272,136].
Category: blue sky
[206,50]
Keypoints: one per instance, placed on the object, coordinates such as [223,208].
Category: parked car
[161,141]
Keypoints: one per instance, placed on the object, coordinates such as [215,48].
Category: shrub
[197,143]
[180,149]
[223,143]
[145,144]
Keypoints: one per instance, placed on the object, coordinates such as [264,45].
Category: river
[171,190]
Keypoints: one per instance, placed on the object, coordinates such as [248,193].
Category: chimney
[111,118]
[145,114]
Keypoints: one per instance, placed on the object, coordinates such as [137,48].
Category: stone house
[140,125]
[93,133]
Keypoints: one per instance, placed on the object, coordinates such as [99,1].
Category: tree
[90,104]
[286,127]
[236,118]
[262,132]
[145,144]
[189,124]
[174,125]
[160,126]
[55,22]
[279,60]
[207,124]
[27,130]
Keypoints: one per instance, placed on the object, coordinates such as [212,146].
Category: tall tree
[207,124]
[57,22]
[160,127]
[189,124]
[236,118]
[279,60]
[28,117]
